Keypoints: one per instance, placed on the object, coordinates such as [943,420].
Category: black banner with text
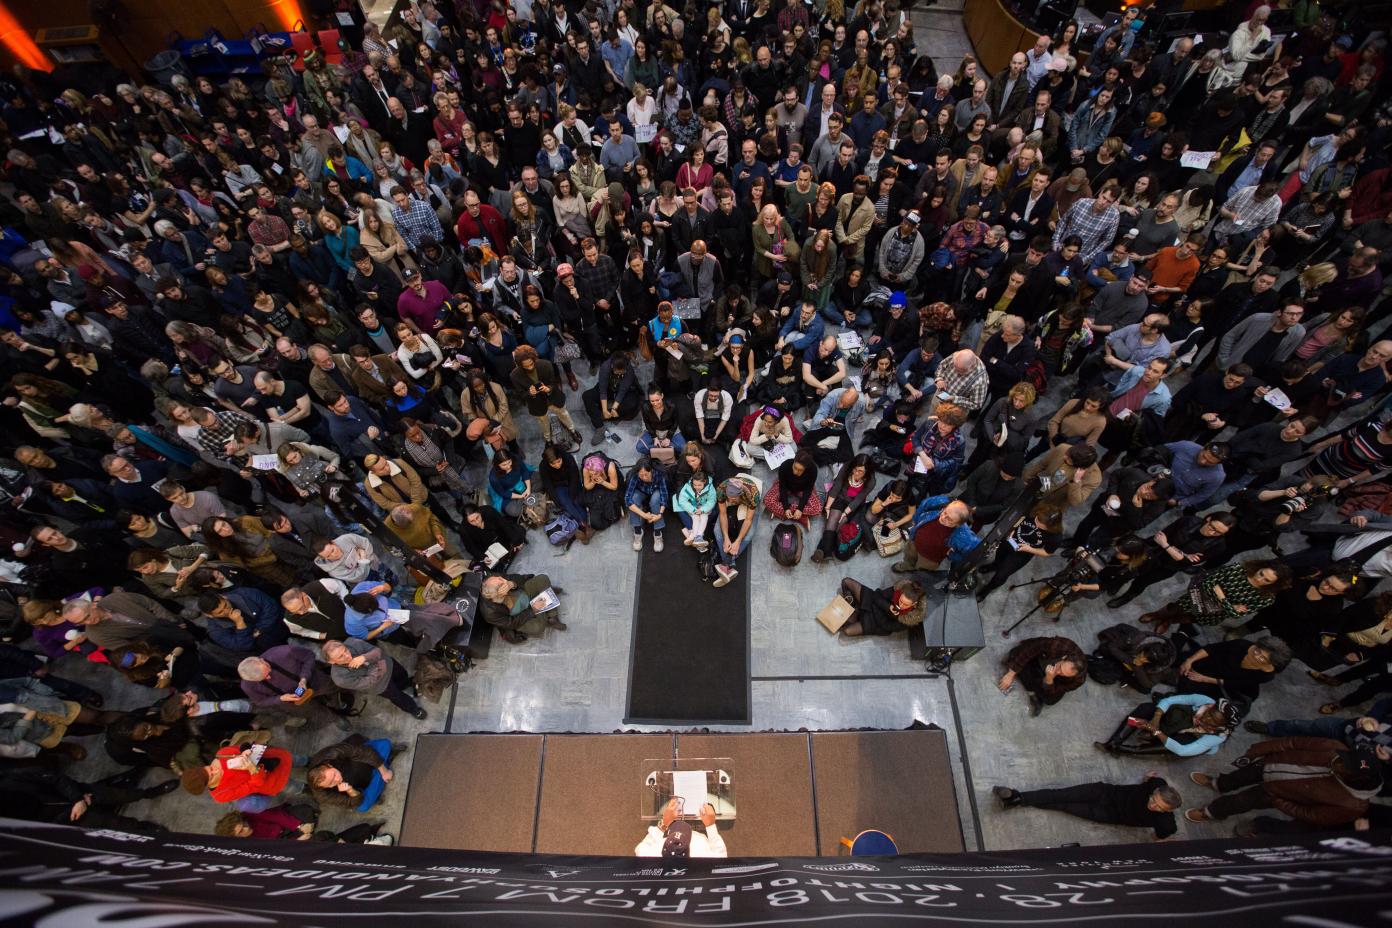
[57,877]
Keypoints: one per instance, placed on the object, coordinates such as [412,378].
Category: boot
[574,386]
[557,624]
[585,533]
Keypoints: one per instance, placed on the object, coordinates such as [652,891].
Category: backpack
[705,565]
[1103,668]
[848,539]
[1035,374]
[941,260]
[786,544]
[561,530]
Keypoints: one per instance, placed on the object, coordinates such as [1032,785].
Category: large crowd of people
[1109,315]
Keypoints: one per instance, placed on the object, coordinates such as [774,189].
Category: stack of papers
[545,601]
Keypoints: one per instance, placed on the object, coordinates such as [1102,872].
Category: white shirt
[709,844]
[1380,564]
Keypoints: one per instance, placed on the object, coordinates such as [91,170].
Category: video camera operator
[1090,573]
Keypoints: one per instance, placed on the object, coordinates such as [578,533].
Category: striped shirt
[1358,452]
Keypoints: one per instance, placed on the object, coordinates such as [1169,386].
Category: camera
[1308,498]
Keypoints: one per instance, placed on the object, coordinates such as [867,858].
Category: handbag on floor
[535,511]
[889,541]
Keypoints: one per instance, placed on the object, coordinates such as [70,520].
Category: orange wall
[147,24]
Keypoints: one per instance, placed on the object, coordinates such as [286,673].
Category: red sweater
[489,224]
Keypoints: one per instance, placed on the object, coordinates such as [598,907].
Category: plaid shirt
[598,281]
[213,438]
[417,222]
[1252,216]
[967,390]
[650,496]
[1096,231]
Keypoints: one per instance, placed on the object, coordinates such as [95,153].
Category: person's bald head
[963,361]
[955,513]
[848,398]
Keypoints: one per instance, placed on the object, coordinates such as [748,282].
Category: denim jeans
[570,506]
[724,556]
[830,313]
[645,443]
[1308,728]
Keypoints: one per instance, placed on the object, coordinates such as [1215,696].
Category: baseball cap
[913,217]
[785,278]
[564,270]
[410,273]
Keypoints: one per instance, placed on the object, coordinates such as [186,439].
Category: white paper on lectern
[690,785]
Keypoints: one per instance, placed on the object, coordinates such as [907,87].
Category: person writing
[674,838]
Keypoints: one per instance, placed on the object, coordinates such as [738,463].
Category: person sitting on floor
[794,496]
[509,603]
[1185,725]
[882,612]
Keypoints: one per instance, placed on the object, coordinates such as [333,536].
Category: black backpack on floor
[786,544]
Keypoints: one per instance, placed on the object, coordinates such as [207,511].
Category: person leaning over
[941,530]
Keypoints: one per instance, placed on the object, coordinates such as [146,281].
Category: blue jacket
[962,540]
[1156,401]
[810,336]
[263,618]
[347,430]
[1203,744]
[1086,135]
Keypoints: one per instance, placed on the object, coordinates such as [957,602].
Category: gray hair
[1280,651]
[253,670]
[401,515]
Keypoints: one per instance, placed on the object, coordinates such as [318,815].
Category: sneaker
[687,539]
[902,568]
[726,575]
[1204,779]
[382,840]
[1256,727]
[637,541]
[701,545]
[1198,815]
[1008,797]
[657,543]
[818,556]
